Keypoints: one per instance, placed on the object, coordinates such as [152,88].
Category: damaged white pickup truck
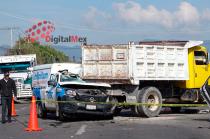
[64,92]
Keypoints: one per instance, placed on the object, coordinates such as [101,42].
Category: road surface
[124,126]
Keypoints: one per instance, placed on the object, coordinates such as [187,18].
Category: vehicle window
[68,77]
[200,58]
[53,78]
[19,80]
[57,77]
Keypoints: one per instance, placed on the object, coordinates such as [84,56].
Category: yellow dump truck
[148,72]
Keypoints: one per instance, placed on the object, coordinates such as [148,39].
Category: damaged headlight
[71,93]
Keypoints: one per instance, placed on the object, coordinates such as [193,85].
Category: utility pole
[11,33]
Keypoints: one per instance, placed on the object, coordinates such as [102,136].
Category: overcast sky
[109,21]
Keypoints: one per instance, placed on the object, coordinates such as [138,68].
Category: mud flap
[57,110]
[205,92]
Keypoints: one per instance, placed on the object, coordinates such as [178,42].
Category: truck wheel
[61,116]
[40,111]
[148,95]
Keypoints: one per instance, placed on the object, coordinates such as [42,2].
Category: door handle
[196,75]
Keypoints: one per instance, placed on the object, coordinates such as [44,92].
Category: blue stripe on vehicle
[37,93]
[60,94]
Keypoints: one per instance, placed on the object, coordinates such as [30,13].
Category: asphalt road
[124,126]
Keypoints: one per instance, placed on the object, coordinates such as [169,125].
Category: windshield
[15,67]
[69,78]
[20,80]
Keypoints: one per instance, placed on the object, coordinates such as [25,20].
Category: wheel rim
[152,99]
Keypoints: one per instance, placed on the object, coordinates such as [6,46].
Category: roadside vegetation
[44,53]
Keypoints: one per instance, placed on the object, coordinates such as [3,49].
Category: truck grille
[91,98]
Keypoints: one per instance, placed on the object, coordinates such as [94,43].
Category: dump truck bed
[130,63]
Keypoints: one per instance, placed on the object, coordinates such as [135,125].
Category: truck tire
[41,112]
[148,95]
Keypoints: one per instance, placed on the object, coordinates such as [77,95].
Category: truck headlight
[71,93]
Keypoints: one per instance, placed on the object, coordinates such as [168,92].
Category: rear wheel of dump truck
[148,95]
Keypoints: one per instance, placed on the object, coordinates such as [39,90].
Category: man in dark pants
[7,88]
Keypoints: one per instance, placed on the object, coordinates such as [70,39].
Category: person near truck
[7,88]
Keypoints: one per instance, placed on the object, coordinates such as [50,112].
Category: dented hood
[75,83]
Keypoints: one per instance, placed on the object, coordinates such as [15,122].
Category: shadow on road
[90,117]
[81,117]
[189,110]
[76,118]
[165,110]
[202,120]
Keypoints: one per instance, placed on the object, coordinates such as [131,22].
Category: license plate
[91,107]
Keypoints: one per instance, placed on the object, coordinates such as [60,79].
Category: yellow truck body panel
[198,72]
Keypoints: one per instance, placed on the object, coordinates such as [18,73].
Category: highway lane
[124,126]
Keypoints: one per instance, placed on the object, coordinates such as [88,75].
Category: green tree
[45,54]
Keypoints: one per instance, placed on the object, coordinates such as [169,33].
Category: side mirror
[53,83]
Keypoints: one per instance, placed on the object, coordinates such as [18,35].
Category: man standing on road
[7,88]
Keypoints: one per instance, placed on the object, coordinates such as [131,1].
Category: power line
[15,16]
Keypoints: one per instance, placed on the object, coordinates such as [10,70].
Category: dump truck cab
[199,68]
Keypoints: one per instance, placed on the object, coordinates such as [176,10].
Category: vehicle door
[200,68]
[51,92]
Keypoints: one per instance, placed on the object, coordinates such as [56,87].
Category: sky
[110,21]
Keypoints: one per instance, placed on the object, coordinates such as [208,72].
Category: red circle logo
[41,30]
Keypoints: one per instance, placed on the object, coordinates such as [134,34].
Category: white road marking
[81,130]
